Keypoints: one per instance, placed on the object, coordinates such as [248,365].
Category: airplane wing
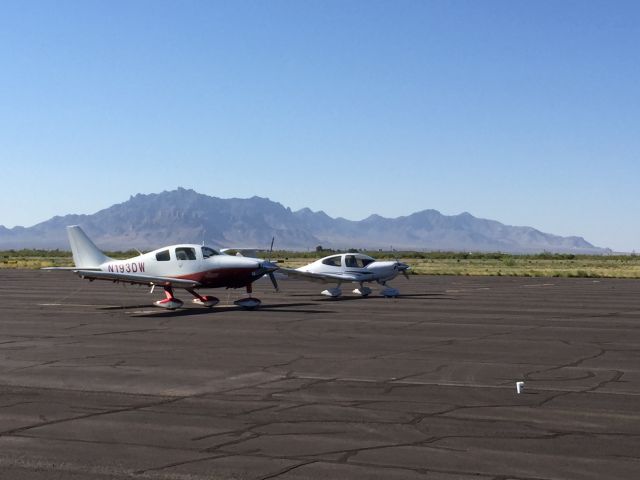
[137,278]
[328,277]
[242,252]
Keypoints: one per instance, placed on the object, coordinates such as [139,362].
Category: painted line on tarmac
[76,305]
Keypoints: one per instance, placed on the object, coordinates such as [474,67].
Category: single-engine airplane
[351,268]
[176,266]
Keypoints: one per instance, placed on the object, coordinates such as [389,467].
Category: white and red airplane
[351,268]
[185,266]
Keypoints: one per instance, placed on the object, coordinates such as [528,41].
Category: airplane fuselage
[191,262]
[365,268]
[351,268]
[185,266]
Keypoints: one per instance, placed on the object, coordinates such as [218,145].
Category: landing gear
[362,291]
[170,302]
[204,300]
[248,303]
[388,291]
[332,292]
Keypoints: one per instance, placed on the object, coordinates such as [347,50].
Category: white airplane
[176,266]
[351,268]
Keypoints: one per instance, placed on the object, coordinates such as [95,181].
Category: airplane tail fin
[85,253]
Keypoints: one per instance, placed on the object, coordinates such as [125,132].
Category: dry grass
[35,262]
[526,266]
[506,265]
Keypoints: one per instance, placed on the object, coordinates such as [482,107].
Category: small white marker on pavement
[519,387]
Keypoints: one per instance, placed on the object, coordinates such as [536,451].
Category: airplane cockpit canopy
[357,261]
[334,261]
[185,253]
[350,261]
[208,252]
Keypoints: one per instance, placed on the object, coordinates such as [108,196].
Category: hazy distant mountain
[431,230]
[151,221]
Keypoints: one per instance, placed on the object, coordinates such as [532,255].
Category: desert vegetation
[422,263]
[31,258]
[496,264]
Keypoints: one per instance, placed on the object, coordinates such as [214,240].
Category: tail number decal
[128,267]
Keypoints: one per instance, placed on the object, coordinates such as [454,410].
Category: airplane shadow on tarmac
[284,307]
[344,298]
[190,311]
[427,296]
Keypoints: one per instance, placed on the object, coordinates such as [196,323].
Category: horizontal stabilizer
[72,269]
[136,278]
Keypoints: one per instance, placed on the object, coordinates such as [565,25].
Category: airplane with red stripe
[186,266]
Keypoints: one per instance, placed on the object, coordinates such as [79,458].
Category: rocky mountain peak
[147,221]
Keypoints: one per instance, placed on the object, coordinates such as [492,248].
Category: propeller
[267,267]
[272,276]
[402,267]
[404,272]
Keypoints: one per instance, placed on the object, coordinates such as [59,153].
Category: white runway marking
[76,305]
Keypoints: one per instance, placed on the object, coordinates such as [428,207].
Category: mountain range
[148,221]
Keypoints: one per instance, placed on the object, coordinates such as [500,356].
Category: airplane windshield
[365,261]
[208,252]
[352,261]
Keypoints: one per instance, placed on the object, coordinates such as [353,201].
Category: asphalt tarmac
[96,384]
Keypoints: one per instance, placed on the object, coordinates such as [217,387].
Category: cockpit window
[356,262]
[163,256]
[332,261]
[185,253]
[208,252]
[366,261]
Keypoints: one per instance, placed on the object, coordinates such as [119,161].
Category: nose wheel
[388,291]
[248,302]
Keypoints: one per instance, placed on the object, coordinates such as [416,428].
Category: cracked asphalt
[97,384]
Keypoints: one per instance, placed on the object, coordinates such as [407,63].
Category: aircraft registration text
[129,267]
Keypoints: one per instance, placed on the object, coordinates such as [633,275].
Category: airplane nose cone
[268,266]
[402,268]
[263,267]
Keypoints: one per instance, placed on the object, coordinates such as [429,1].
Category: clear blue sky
[523,112]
